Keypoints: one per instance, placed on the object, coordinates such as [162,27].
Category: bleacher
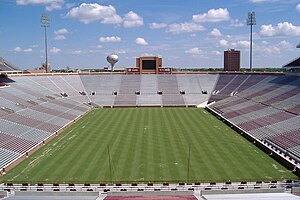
[143,90]
[148,91]
[100,88]
[7,66]
[232,84]
[268,110]
[195,86]
[128,87]
[33,109]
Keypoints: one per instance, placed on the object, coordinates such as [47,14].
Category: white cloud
[35,46]
[76,52]
[18,49]
[26,2]
[132,19]
[141,41]
[195,51]
[285,45]
[281,29]
[54,6]
[99,46]
[237,23]
[184,28]
[172,57]
[94,51]
[269,50]
[61,31]
[243,44]
[274,49]
[215,32]
[298,7]
[148,54]
[50,4]
[120,51]
[216,53]
[90,12]
[114,19]
[157,25]
[213,15]
[60,34]
[223,43]
[28,50]
[55,50]
[110,39]
[59,37]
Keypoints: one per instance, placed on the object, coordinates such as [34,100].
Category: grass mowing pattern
[148,144]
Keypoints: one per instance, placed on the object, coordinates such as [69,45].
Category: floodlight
[45,22]
[250,22]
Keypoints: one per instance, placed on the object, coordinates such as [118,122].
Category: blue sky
[190,33]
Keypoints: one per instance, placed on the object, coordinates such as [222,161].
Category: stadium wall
[123,73]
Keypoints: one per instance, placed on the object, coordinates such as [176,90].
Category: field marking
[275,166]
[46,153]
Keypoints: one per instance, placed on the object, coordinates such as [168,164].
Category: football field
[148,145]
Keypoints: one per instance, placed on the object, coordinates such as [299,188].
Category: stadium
[180,134]
[197,126]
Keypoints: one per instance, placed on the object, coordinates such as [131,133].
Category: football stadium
[178,132]
[182,129]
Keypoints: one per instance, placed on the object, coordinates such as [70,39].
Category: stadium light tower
[250,22]
[45,22]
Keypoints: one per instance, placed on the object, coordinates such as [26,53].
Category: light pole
[250,22]
[45,22]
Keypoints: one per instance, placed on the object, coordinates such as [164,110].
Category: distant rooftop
[293,64]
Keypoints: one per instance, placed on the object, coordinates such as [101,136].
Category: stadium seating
[148,85]
[194,85]
[7,66]
[229,84]
[268,110]
[126,95]
[33,108]
[7,157]
[16,144]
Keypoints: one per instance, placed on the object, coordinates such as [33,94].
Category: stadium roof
[7,66]
[293,64]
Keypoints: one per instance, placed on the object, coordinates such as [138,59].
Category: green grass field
[148,144]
